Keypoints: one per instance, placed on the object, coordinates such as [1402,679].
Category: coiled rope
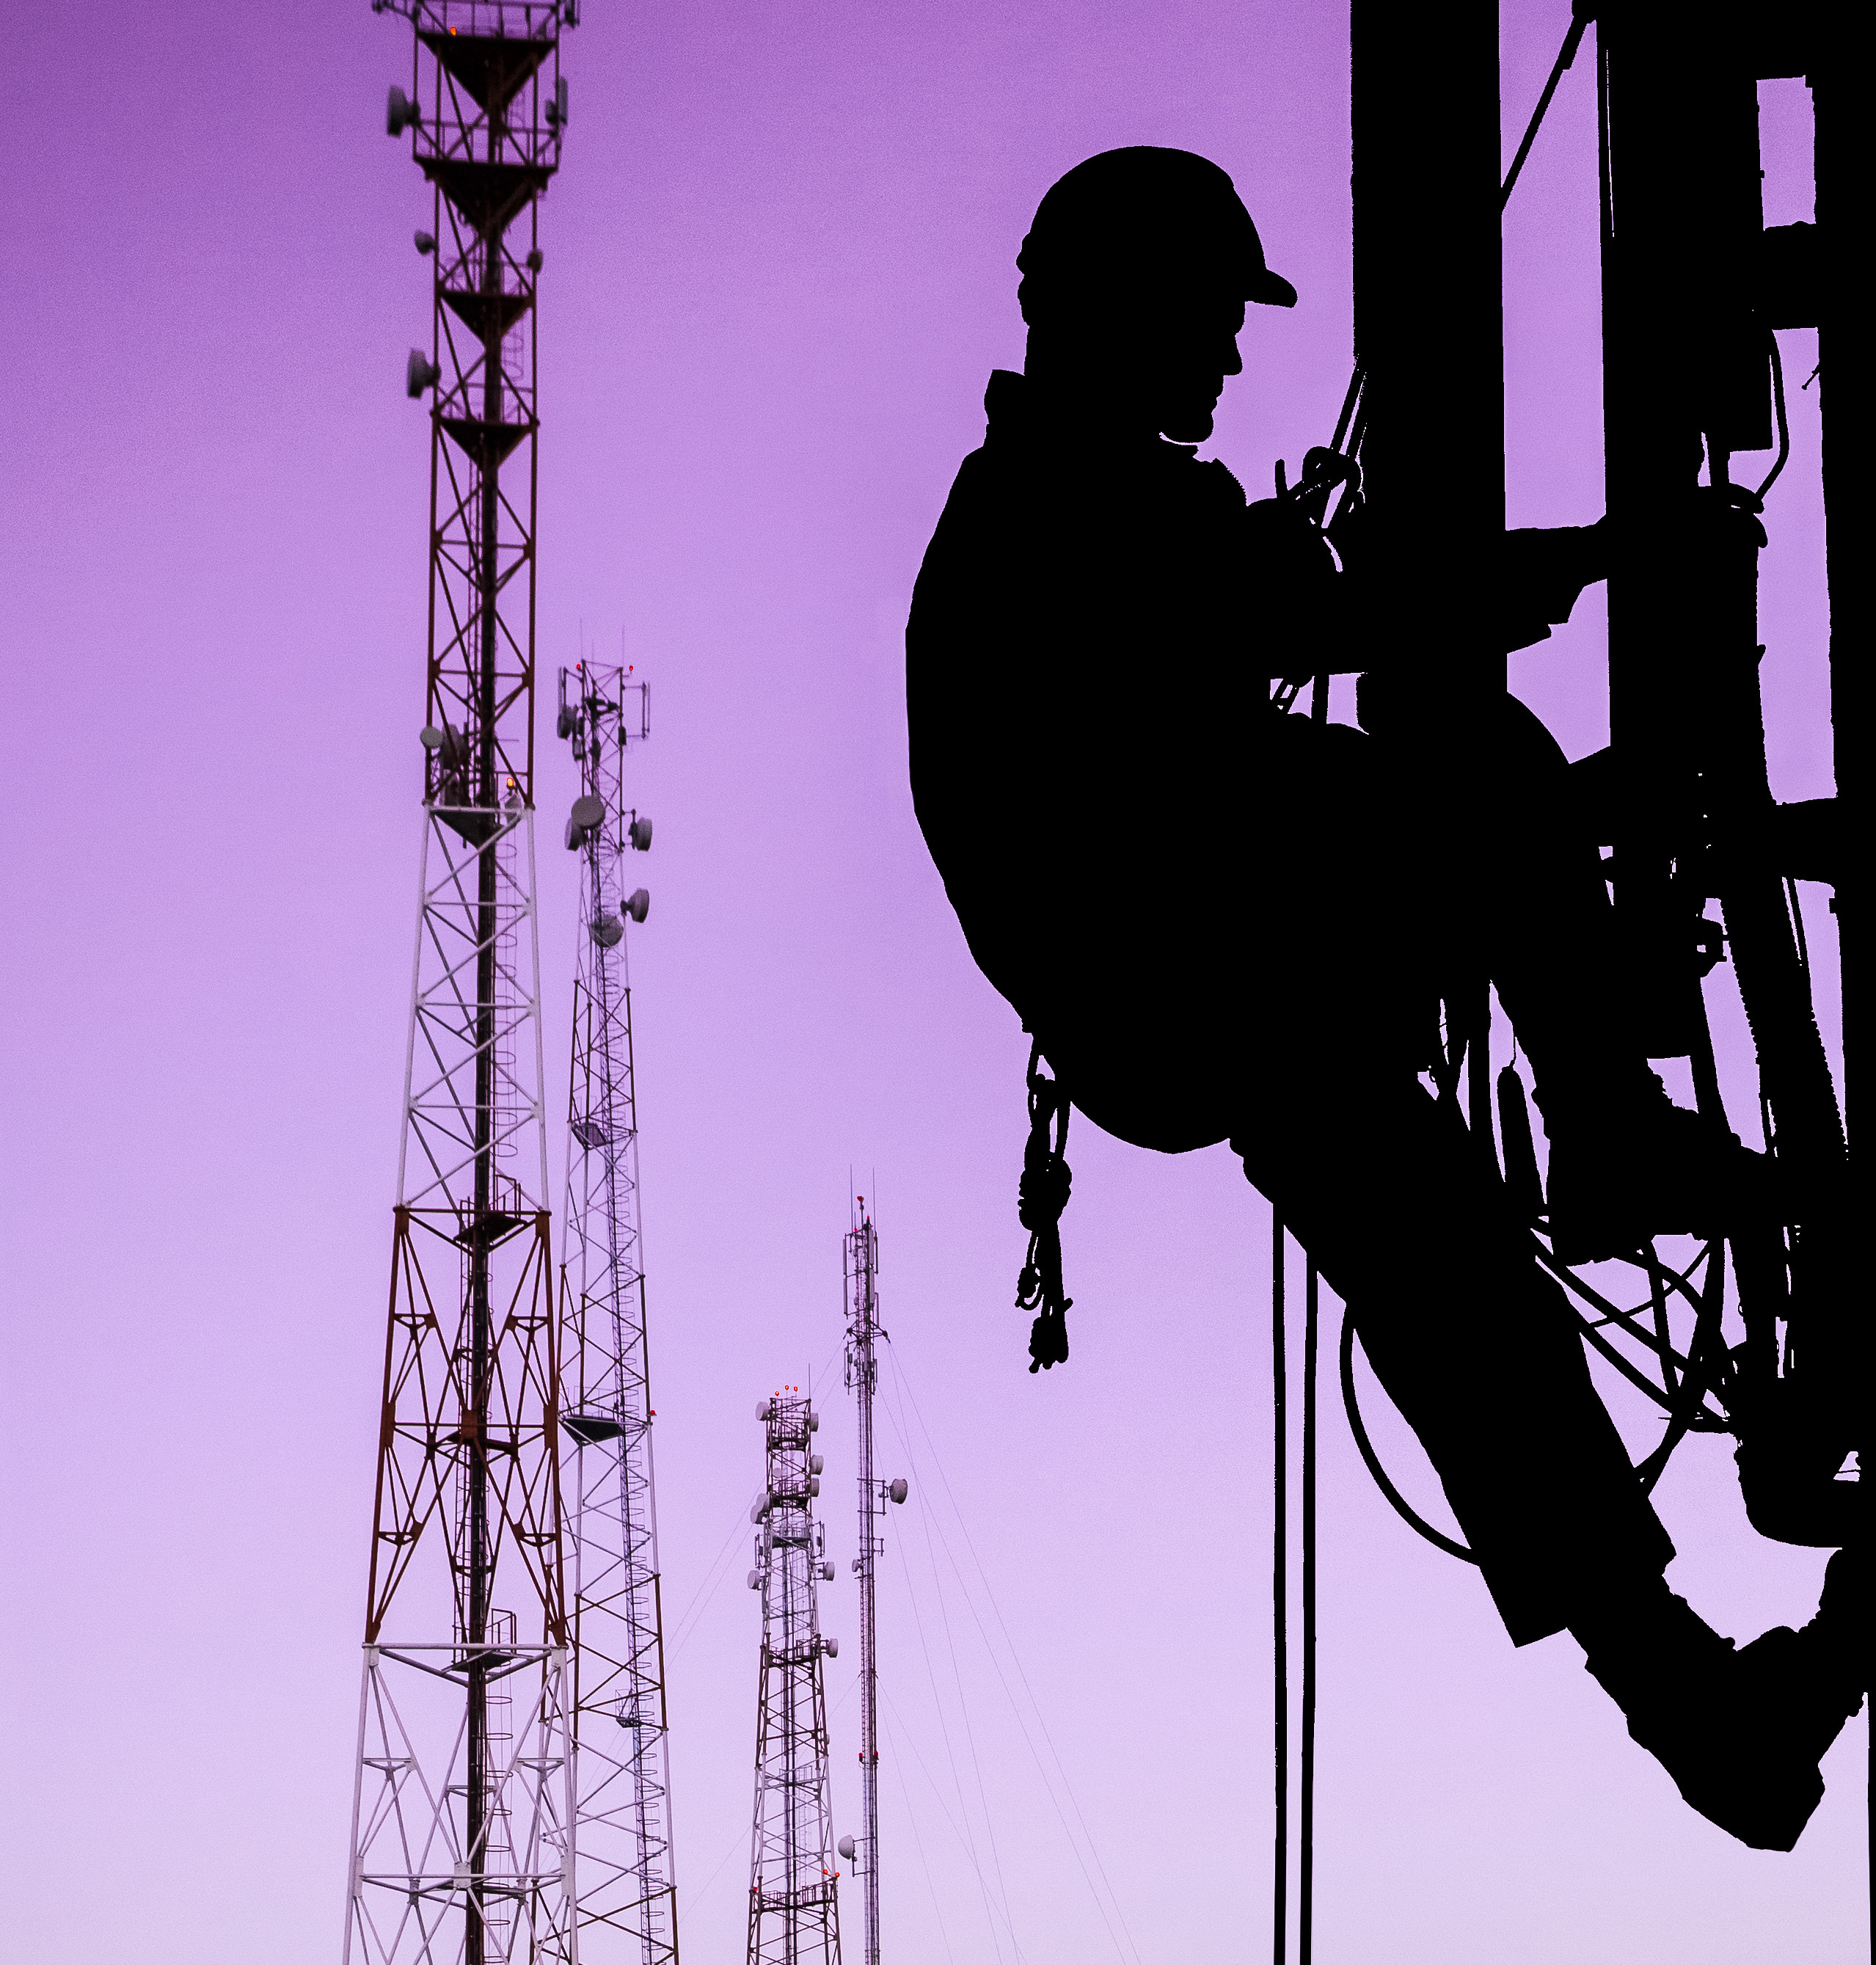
[1041,1194]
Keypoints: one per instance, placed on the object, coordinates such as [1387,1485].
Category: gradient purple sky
[779,268]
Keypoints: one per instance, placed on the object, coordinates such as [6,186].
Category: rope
[1306,1851]
[1042,1194]
[1373,1460]
[1280,1608]
[1279,1593]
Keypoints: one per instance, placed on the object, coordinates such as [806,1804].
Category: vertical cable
[1605,195]
[1306,1838]
[1477,1015]
[1280,1576]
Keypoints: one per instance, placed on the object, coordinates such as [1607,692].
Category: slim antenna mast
[863,1376]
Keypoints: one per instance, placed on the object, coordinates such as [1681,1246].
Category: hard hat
[1144,212]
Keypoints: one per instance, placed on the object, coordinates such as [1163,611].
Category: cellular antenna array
[461,1846]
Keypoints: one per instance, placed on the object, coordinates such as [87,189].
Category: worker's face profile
[1183,345]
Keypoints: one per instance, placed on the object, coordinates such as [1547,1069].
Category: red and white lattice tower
[462,1849]
[626,1897]
[794,1910]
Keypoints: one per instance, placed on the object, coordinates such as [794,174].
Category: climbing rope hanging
[1305,1776]
[1279,1606]
[1280,1589]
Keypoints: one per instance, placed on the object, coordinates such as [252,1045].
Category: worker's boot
[1741,1731]
[1627,1168]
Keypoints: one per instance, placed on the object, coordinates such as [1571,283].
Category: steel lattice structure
[623,1870]
[794,1908]
[862,1379]
[1682,794]
[463,1793]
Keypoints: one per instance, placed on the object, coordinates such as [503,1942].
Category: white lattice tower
[625,1891]
[794,1910]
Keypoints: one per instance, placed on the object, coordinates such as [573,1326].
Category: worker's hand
[1298,610]
[1293,559]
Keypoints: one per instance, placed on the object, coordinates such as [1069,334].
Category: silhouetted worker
[1221,922]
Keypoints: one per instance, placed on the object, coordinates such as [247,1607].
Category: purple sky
[779,268]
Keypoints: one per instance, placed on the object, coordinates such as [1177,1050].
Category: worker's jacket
[1113,804]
